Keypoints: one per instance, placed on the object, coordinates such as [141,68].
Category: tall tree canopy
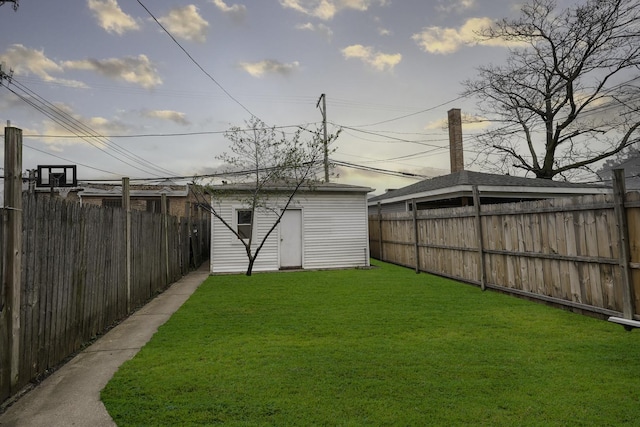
[568,95]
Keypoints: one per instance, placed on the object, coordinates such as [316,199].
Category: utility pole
[13,251]
[4,75]
[323,110]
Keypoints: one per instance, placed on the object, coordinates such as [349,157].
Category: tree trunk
[250,267]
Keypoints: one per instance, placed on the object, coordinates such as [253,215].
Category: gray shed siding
[335,231]
[334,234]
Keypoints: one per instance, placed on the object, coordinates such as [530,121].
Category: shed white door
[291,239]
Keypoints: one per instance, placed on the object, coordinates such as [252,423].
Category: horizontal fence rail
[581,252]
[74,283]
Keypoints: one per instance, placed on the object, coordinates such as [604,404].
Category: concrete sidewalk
[71,395]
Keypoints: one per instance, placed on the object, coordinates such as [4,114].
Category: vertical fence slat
[416,242]
[623,229]
[479,236]
[633,222]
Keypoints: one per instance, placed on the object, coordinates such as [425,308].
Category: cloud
[448,40]
[379,61]
[168,115]
[321,29]
[236,11]
[456,6]
[111,18]
[258,69]
[381,30]
[138,70]
[186,23]
[327,9]
[24,61]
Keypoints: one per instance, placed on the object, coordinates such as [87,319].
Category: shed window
[244,221]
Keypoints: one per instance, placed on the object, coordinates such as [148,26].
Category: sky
[157,103]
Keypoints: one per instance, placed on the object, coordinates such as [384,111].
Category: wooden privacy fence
[74,276]
[580,252]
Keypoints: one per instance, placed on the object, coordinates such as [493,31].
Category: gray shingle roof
[477,178]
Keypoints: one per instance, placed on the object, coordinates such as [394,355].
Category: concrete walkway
[71,396]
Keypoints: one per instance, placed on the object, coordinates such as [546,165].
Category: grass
[375,347]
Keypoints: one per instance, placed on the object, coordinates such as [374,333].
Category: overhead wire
[394,139]
[67,160]
[378,170]
[161,135]
[43,111]
[413,114]
[196,63]
[82,131]
[87,131]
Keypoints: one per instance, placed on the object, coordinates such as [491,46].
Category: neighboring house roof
[460,184]
[109,190]
[316,187]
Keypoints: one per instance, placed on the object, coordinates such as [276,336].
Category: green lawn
[375,347]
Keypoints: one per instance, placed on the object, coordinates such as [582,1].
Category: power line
[370,161]
[413,114]
[70,128]
[88,131]
[252,171]
[162,135]
[378,170]
[80,130]
[67,160]
[425,143]
[194,61]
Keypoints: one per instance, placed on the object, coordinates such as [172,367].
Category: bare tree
[568,95]
[266,171]
[629,161]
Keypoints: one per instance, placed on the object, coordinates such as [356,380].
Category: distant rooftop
[469,178]
[139,190]
[321,187]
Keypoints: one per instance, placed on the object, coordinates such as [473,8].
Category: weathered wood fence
[74,276]
[581,252]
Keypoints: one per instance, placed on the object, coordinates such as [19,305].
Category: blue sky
[109,65]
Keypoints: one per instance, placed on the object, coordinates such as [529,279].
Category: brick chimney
[455,140]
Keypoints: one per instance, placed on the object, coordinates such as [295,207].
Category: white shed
[323,227]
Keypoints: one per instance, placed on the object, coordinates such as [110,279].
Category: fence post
[380,251]
[13,246]
[165,226]
[415,234]
[476,206]
[189,243]
[126,205]
[628,298]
